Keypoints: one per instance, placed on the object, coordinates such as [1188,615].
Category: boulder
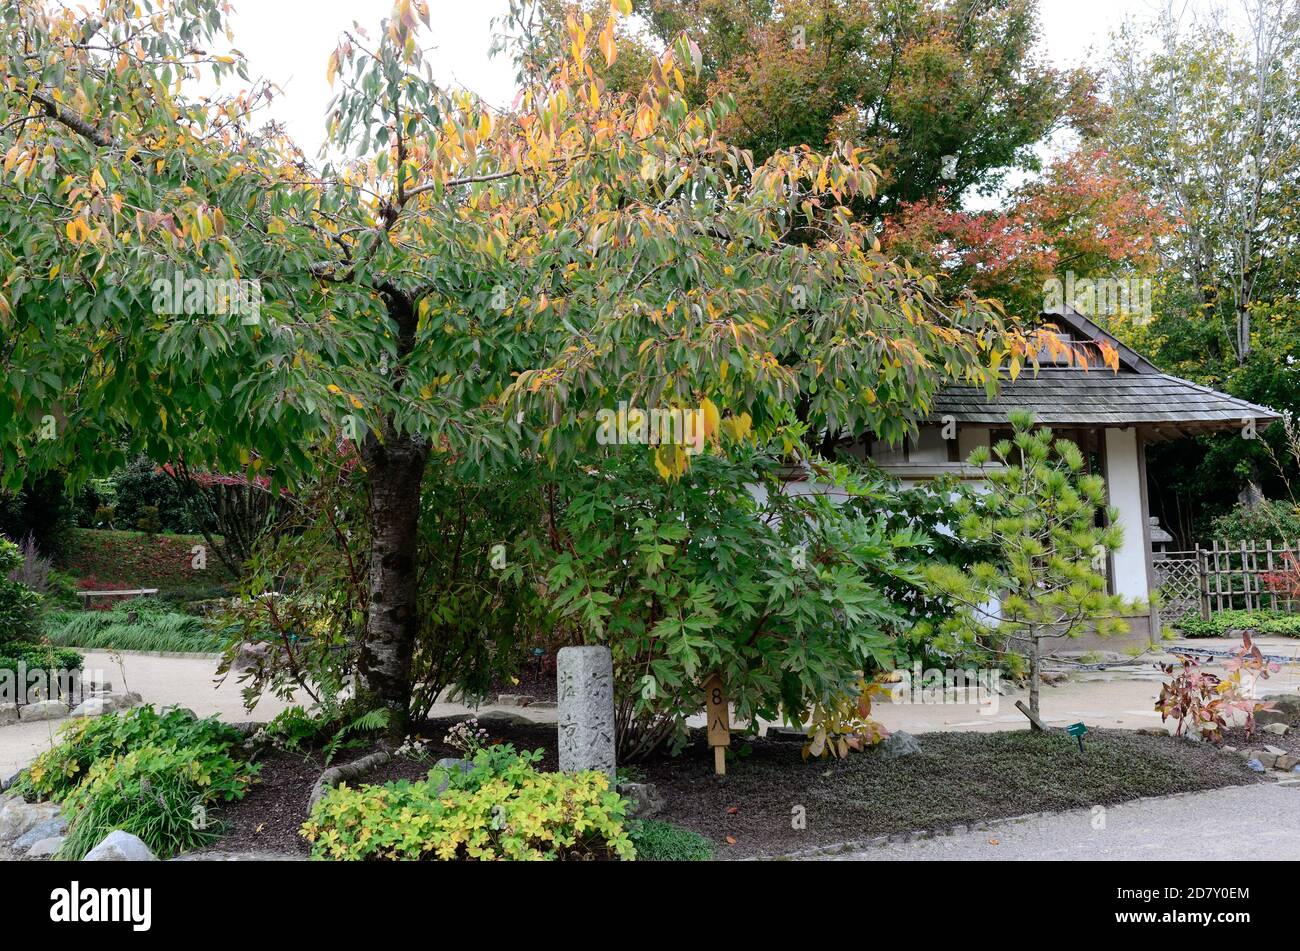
[1277,729]
[1286,709]
[513,700]
[644,799]
[1287,763]
[251,655]
[451,763]
[8,715]
[56,825]
[544,705]
[125,701]
[502,718]
[94,707]
[119,846]
[17,816]
[45,848]
[899,744]
[44,710]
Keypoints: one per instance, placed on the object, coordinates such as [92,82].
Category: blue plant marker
[1077,730]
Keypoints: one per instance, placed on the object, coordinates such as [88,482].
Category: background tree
[1208,124]
[1040,512]
[1084,215]
[466,285]
[911,81]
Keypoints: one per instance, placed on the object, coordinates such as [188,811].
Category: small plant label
[715,703]
[1078,731]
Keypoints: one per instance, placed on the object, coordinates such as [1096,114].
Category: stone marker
[585,680]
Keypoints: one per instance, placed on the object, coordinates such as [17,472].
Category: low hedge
[1222,624]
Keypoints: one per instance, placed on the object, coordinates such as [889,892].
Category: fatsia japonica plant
[463,283]
[1038,509]
[777,591]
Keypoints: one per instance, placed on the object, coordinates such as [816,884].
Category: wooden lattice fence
[1231,576]
[1178,582]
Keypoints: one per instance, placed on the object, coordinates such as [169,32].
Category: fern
[368,722]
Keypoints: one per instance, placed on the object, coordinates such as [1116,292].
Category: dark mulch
[957,778]
[533,681]
[1236,736]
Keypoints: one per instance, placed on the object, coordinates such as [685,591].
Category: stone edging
[175,655]
[337,774]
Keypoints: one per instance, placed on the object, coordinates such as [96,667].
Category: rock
[42,830]
[1268,759]
[17,816]
[10,780]
[251,655]
[502,718]
[786,734]
[8,715]
[1277,729]
[543,705]
[1286,709]
[899,744]
[1151,731]
[644,799]
[1228,749]
[1274,751]
[45,847]
[513,700]
[94,707]
[1255,765]
[451,763]
[125,701]
[1287,763]
[1290,782]
[44,710]
[119,846]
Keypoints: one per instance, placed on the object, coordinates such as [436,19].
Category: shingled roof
[1137,395]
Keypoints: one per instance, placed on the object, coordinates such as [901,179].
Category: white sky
[289,41]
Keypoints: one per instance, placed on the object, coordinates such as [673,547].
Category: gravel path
[1237,823]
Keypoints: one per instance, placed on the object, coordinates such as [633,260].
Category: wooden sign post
[715,705]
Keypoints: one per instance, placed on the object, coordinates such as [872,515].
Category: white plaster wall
[1125,491]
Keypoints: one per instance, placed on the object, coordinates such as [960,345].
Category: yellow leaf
[712,419]
[333,388]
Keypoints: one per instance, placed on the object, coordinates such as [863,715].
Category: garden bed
[957,778]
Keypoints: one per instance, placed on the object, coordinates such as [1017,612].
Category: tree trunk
[1035,671]
[395,463]
[395,469]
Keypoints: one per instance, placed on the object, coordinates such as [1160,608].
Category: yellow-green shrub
[518,814]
